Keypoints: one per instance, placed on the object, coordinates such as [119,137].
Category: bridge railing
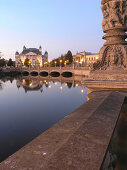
[54,68]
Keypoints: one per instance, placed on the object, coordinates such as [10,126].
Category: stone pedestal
[114,51]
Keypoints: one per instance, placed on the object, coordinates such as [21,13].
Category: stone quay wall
[77,142]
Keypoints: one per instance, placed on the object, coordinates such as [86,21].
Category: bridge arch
[25,73]
[55,74]
[34,73]
[67,74]
[44,74]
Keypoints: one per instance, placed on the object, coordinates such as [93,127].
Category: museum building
[85,58]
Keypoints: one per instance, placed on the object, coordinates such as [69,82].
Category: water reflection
[120,142]
[30,105]
[37,84]
[1,85]
[116,157]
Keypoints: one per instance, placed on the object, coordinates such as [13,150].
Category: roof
[17,53]
[38,87]
[34,50]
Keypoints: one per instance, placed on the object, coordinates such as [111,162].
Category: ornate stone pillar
[114,24]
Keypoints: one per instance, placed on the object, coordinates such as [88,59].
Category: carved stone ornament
[114,24]
[114,14]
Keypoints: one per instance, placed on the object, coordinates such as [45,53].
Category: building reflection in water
[38,83]
[30,85]
[116,156]
[1,87]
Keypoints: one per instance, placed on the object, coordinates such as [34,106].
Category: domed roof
[46,52]
[34,50]
[17,53]
[105,1]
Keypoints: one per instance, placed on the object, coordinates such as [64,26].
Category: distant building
[35,56]
[85,58]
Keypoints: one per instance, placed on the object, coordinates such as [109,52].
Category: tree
[27,62]
[2,62]
[69,84]
[10,62]
[69,56]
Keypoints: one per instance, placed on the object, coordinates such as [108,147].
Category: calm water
[30,106]
[116,155]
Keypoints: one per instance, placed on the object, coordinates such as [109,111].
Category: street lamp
[60,63]
[65,63]
[55,63]
[77,63]
[49,63]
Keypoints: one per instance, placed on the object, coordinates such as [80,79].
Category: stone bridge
[83,71]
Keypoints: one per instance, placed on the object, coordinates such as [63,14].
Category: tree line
[4,63]
[63,60]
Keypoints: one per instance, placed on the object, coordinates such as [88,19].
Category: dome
[46,52]
[24,47]
[17,53]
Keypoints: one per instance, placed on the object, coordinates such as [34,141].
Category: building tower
[17,59]
[40,49]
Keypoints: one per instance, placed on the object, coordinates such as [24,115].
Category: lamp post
[55,63]
[77,63]
[49,63]
[60,63]
[65,63]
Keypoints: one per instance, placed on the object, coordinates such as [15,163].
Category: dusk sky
[56,25]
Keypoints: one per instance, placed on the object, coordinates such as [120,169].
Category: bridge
[82,71]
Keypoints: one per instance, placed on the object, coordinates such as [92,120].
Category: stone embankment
[78,142]
[9,72]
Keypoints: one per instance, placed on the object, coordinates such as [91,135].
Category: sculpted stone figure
[105,22]
[114,24]
[125,13]
[113,14]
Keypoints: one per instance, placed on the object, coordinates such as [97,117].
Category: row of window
[90,59]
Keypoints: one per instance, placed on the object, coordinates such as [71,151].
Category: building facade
[34,56]
[85,58]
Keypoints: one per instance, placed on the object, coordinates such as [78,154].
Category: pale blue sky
[56,25]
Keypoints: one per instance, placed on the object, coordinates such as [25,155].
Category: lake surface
[116,155]
[29,106]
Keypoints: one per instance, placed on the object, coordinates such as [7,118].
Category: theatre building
[35,56]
